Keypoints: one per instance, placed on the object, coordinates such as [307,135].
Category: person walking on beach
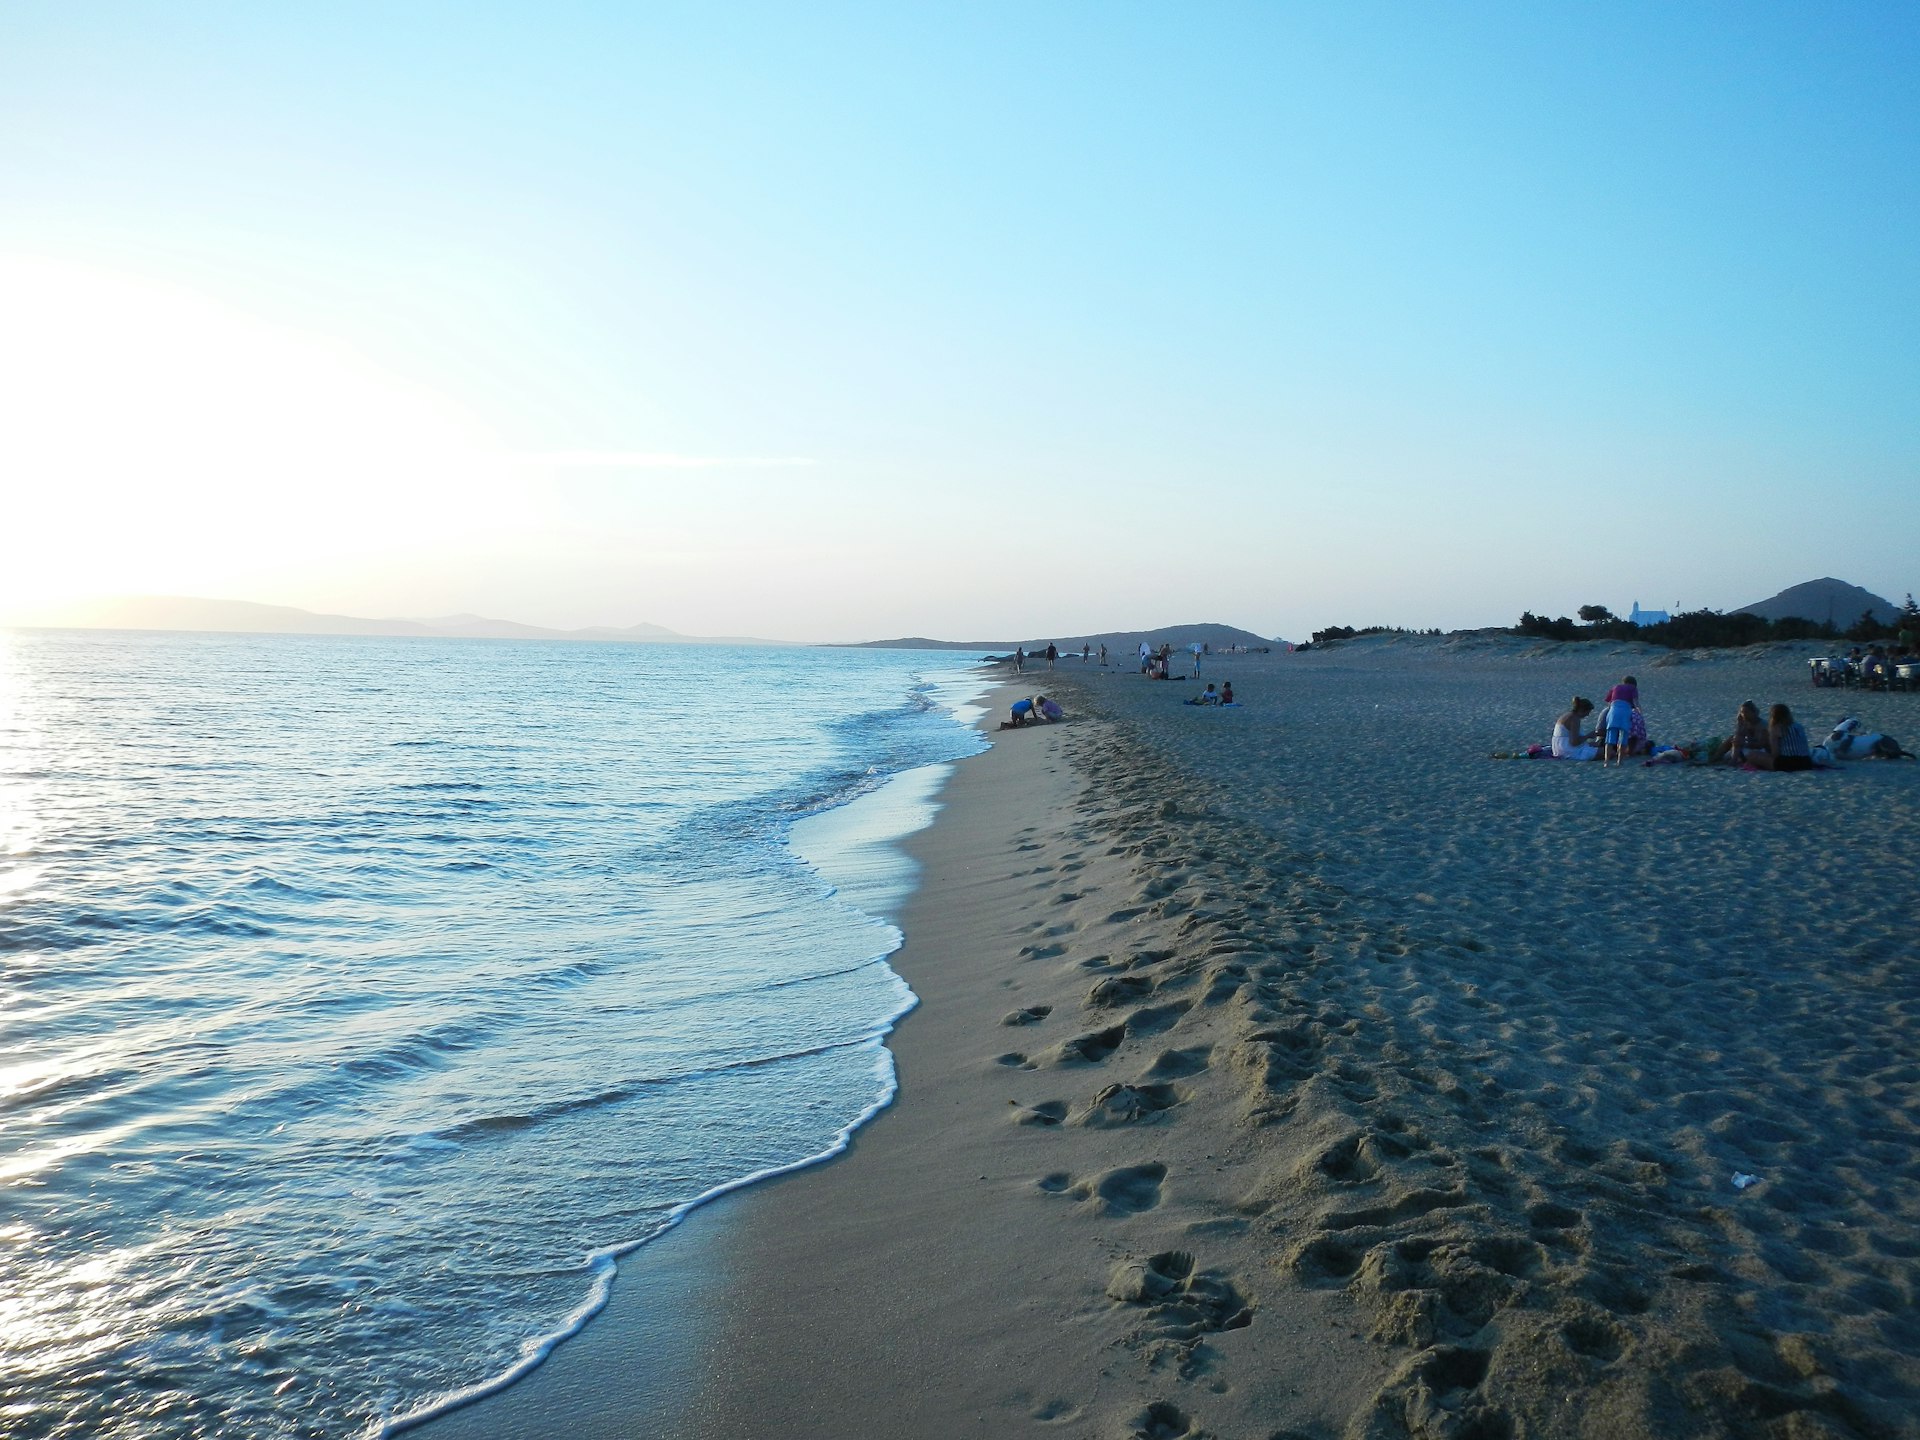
[1103,654]
[1019,659]
[1053,654]
[1194,650]
[1086,653]
[1622,700]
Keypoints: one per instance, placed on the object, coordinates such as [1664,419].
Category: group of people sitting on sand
[1779,742]
[1034,710]
[1620,732]
[1211,696]
[1157,663]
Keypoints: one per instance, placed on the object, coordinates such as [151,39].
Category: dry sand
[1298,1070]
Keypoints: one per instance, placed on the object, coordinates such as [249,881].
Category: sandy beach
[1299,1070]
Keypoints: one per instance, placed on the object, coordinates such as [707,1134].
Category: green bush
[1690,630]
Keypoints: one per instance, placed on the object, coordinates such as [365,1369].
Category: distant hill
[1219,637]
[1823,600]
[182,612]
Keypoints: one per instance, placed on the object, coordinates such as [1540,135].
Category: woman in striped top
[1787,745]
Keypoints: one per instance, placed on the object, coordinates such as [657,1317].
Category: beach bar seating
[1829,670]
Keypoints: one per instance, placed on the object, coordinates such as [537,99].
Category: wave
[469,923]
[633,1089]
[603,1264]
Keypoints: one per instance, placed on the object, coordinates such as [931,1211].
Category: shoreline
[1272,1077]
[954,1274]
[862,847]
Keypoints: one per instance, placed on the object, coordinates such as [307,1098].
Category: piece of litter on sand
[1741,1181]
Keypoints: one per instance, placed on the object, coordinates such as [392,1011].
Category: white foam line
[604,1262]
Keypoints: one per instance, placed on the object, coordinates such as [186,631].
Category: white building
[1647,617]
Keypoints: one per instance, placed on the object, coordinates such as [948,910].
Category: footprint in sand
[1090,1049]
[1014,1060]
[1179,1064]
[1182,1301]
[1118,990]
[1156,1018]
[1130,1190]
[1046,1113]
[1127,1105]
[1595,1335]
[1161,1421]
[1224,982]
[1350,1160]
[1445,1379]
[1031,1015]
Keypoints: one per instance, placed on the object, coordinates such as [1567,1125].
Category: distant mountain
[921,642]
[1219,637]
[181,612]
[1823,600]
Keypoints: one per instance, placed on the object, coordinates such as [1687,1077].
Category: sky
[851,321]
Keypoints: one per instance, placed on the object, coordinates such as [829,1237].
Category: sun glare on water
[155,439]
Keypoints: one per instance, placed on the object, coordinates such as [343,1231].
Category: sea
[364,1001]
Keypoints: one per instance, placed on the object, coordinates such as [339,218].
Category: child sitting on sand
[1569,741]
[1209,697]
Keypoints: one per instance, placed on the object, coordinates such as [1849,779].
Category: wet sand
[1297,1070]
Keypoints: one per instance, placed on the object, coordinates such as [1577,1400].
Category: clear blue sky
[843,321]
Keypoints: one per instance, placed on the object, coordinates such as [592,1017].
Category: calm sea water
[360,1000]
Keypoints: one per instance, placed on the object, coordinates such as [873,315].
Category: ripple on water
[357,992]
